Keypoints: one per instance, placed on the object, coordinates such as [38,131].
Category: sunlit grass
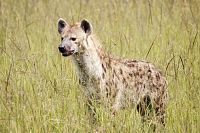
[39,90]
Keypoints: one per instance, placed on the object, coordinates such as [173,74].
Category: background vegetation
[39,91]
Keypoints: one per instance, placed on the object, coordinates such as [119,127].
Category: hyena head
[73,37]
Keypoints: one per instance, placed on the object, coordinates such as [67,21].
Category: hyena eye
[62,38]
[73,38]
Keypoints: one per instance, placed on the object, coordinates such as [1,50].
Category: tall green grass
[39,91]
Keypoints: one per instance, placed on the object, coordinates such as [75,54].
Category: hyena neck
[89,63]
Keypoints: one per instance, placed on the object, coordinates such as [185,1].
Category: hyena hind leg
[160,115]
[156,115]
[144,107]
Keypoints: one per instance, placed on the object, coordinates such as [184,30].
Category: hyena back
[118,81]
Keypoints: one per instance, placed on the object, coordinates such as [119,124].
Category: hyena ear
[86,26]
[61,25]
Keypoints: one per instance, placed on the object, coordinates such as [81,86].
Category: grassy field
[39,90]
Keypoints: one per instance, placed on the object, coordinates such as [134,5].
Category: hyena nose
[62,49]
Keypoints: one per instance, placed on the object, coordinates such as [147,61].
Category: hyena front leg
[118,101]
[91,110]
[93,99]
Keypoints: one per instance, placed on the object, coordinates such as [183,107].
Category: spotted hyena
[117,81]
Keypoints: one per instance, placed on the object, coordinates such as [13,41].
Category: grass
[39,91]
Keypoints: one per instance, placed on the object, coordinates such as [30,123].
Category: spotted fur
[120,82]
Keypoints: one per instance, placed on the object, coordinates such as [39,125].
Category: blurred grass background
[39,91]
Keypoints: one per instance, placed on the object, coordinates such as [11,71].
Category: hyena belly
[135,82]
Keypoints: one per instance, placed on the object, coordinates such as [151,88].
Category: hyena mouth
[68,53]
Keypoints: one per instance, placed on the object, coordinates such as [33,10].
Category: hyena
[117,81]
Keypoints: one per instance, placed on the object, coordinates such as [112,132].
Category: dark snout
[65,51]
[62,49]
